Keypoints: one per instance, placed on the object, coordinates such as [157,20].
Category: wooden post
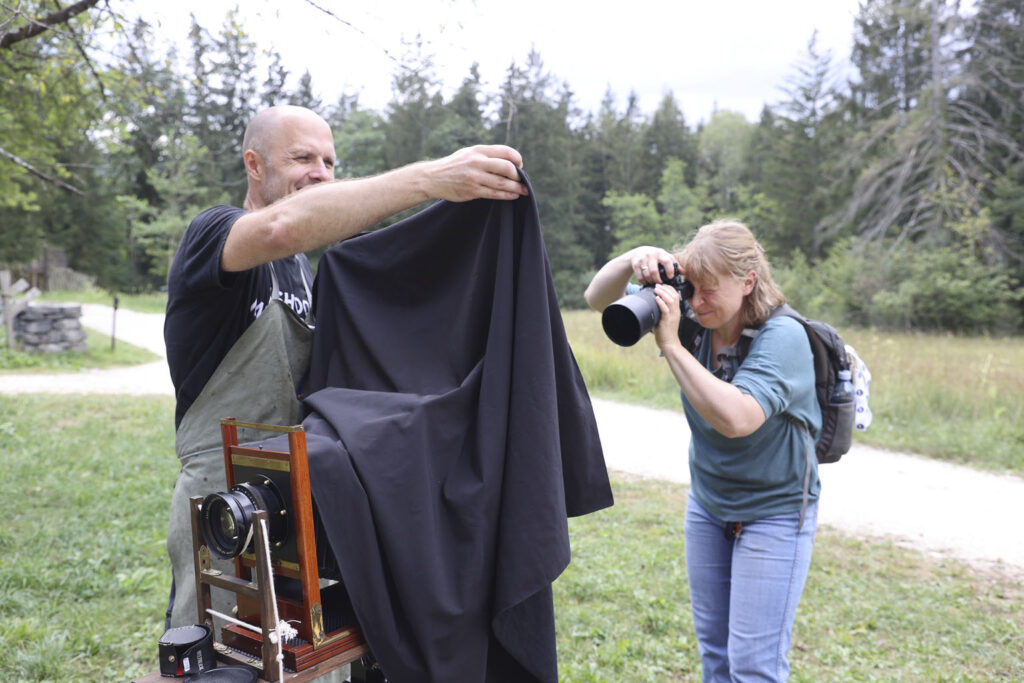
[113,325]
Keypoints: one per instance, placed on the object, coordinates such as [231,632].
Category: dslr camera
[634,315]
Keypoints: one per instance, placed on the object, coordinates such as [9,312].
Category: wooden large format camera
[272,485]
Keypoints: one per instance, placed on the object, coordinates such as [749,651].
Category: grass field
[956,398]
[84,578]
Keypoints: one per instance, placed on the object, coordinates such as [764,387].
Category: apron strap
[255,382]
[275,290]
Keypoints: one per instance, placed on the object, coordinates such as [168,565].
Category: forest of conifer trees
[893,197]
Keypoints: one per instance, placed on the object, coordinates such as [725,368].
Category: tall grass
[955,398]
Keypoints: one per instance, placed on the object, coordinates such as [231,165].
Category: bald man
[237,267]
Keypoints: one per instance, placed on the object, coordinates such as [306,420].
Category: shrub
[948,288]
[941,288]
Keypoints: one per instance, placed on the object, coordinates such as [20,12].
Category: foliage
[906,288]
[724,145]
[636,220]
[50,102]
[794,149]
[938,289]
[922,153]
[918,149]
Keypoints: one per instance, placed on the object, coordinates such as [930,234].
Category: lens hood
[632,316]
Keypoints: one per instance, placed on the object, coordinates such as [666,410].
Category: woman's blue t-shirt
[761,475]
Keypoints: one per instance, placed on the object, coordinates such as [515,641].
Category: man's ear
[253,165]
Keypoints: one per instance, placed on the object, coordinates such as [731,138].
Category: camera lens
[227,517]
[631,317]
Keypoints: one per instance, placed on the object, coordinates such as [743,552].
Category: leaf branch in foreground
[37,26]
[39,174]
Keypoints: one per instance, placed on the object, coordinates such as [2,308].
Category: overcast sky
[733,55]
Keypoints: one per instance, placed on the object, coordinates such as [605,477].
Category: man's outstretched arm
[329,212]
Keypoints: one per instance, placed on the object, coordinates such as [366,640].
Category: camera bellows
[186,650]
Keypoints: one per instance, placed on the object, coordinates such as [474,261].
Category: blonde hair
[728,246]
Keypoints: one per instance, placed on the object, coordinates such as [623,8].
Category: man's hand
[480,172]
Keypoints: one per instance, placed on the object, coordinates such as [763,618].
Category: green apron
[255,382]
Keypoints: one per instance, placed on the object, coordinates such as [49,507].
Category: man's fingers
[501,152]
[502,176]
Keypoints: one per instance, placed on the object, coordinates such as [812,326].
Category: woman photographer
[752,508]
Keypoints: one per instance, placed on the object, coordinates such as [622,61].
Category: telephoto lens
[634,315]
[629,318]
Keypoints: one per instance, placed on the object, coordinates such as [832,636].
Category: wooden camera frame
[305,613]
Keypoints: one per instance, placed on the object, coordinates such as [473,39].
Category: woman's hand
[666,333]
[728,410]
[644,262]
[609,284]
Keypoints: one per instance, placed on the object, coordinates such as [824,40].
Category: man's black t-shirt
[209,309]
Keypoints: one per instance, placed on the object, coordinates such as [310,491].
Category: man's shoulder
[213,219]
[195,270]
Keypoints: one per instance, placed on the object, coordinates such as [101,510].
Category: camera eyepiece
[632,316]
[227,517]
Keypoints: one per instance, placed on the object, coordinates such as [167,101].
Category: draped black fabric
[450,435]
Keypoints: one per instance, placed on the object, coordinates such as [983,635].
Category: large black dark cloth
[450,435]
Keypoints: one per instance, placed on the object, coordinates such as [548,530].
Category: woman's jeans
[744,592]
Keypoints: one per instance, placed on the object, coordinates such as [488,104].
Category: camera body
[634,315]
[227,518]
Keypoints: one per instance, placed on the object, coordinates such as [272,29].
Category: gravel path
[937,507]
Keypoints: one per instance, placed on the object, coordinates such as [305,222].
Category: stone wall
[51,328]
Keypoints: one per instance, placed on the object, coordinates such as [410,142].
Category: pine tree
[794,147]
[415,106]
[993,82]
[927,152]
[305,96]
[666,137]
